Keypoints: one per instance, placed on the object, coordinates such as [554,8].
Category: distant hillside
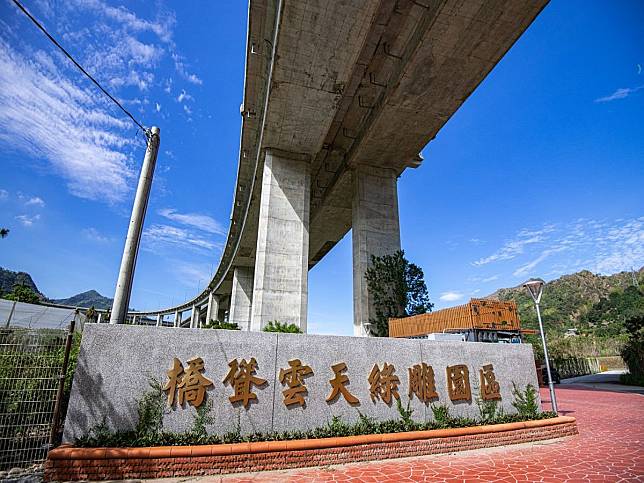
[8,279]
[87,299]
[596,304]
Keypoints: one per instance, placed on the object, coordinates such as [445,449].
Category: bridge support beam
[241,298]
[376,231]
[212,313]
[281,263]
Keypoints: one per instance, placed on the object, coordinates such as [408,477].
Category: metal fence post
[61,384]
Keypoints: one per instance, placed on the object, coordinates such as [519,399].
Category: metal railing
[33,364]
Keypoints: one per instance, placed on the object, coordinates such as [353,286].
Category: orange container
[476,314]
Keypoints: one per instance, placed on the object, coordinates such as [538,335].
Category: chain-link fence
[32,368]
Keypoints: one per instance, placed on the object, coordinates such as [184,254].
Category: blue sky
[540,172]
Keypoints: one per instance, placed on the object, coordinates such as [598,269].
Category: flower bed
[72,463]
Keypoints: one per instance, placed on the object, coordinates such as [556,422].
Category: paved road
[610,447]
[605,381]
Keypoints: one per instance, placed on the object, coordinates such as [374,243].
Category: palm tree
[4,232]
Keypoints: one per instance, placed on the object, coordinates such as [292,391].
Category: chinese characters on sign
[490,388]
[338,385]
[294,378]
[189,385]
[383,384]
[422,383]
[241,377]
[458,383]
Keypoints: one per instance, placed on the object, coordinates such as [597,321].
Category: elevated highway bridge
[340,97]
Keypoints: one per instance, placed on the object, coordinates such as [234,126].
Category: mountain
[594,304]
[9,278]
[87,299]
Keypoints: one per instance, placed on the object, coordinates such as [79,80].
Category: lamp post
[535,289]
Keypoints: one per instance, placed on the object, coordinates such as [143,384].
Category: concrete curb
[67,452]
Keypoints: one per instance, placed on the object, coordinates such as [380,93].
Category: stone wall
[116,363]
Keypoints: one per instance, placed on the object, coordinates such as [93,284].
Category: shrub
[631,380]
[150,409]
[405,414]
[525,402]
[633,351]
[215,324]
[276,326]
[441,414]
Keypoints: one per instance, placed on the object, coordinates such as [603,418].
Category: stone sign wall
[262,382]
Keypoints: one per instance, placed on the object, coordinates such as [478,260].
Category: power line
[49,36]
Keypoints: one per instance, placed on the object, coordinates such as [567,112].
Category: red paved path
[610,447]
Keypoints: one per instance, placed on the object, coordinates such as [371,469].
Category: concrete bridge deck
[340,97]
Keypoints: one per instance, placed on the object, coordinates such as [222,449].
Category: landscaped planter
[71,463]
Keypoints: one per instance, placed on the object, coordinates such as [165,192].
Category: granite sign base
[117,363]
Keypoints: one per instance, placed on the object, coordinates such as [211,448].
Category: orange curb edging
[66,452]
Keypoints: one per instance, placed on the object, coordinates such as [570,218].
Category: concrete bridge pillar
[376,231]
[241,298]
[212,312]
[281,263]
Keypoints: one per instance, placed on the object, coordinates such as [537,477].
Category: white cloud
[158,107]
[515,247]
[490,279]
[192,275]
[621,93]
[4,194]
[196,220]
[600,246]
[180,67]
[528,267]
[94,235]
[46,116]
[184,96]
[159,236]
[129,20]
[450,296]
[27,220]
[187,109]
[35,201]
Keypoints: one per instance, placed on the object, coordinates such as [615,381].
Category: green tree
[397,288]
[4,232]
[276,326]
[22,293]
[633,351]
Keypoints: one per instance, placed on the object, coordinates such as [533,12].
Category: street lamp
[535,289]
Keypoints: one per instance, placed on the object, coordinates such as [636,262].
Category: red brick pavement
[610,447]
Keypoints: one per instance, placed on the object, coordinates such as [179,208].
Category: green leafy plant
[397,288]
[405,413]
[276,326]
[633,351]
[150,408]
[202,418]
[631,380]
[525,402]
[216,324]
[101,436]
[22,293]
[441,414]
[489,410]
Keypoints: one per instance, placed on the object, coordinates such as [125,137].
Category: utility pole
[131,249]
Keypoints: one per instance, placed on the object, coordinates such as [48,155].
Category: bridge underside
[340,98]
